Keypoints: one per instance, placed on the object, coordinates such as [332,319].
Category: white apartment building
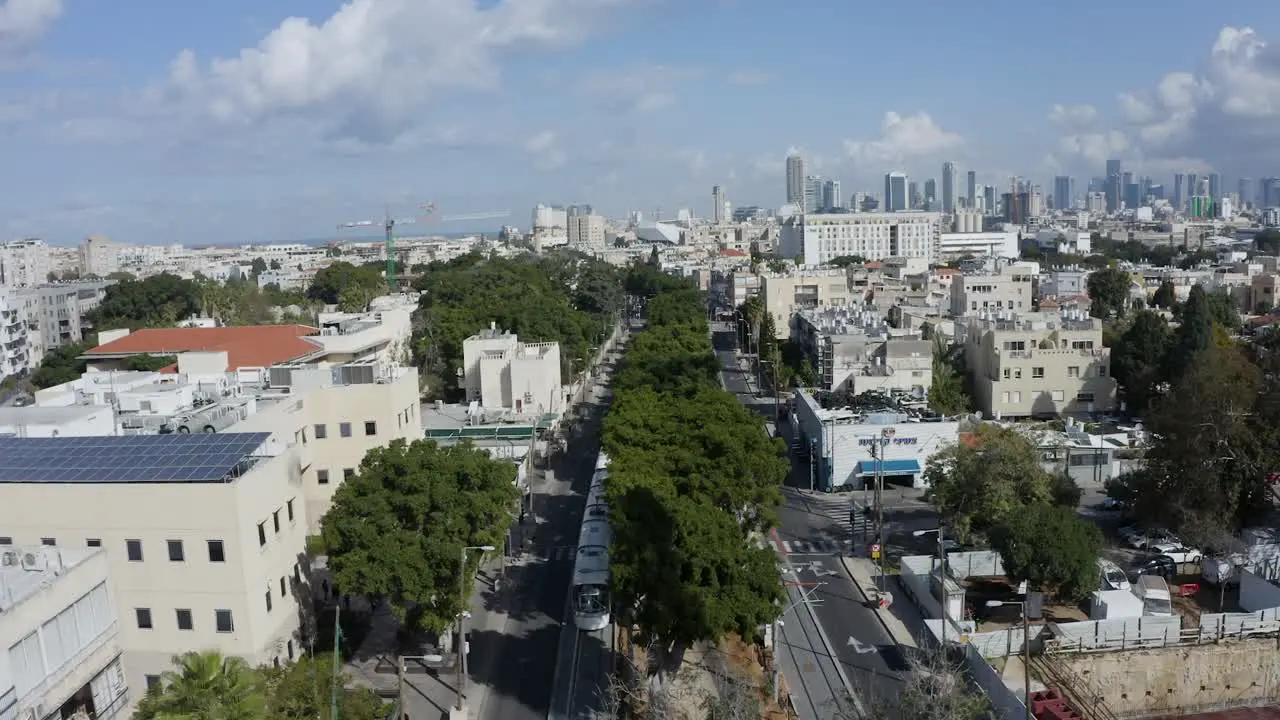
[383,334]
[998,244]
[15,349]
[25,263]
[203,535]
[55,313]
[743,284]
[1038,364]
[1065,240]
[805,288]
[1008,289]
[500,373]
[855,350]
[1064,283]
[99,256]
[587,231]
[59,634]
[819,239]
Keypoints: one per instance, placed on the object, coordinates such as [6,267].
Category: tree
[1267,242]
[1165,297]
[159,300]
[975,484]
[274,264]
[1194,333]
[946,390]
[395,530]
[933,689]
[149,363]
[258,267]
[845,261]
[302,690]
[60,365]
[1052,548]
[1223,309]
[1137,359]
[1109,293]
[330,282]
[206,686]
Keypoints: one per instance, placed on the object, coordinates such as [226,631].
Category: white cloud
[23,22]
[372,66]
[1095,147]
[638,88]
[903,138]
[545,148]
[1073,116]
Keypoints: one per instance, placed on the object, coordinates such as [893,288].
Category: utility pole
[336,682]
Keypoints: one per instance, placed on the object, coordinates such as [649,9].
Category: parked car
[1140,539]
[1112,504]
[1179,553]
[1161,566]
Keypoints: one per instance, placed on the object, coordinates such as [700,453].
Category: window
[1057,395]
[175,551]
[153,684]
[344,429]
[284,589]
[184,620]
[1007,373]
[370,427]
[1084,397]
[216,553]
[268,596]
[1073,371]
[48,541]
[289,509]
[348,473]
[94,542]
[144,618]
[1037,373]
[134,548]
[297,574]
[290,646]
[6,541]
[322,432]
[262,533]
[322,477]
[222,619]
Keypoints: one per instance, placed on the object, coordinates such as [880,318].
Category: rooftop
[43,565]
[246,346]
[201,458]
[47,415]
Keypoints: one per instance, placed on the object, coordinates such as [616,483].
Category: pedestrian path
[806,547]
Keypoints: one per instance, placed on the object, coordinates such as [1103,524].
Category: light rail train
[591,561]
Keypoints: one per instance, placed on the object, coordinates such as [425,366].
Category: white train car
[591,561]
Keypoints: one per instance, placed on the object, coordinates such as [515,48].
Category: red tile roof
[246,346]
[731,252]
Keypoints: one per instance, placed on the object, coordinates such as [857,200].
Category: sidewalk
[901,620]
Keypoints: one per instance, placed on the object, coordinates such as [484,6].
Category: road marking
[859,648]
[817,568]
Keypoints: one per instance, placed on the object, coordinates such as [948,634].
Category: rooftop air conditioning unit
[9,558]
[34,561]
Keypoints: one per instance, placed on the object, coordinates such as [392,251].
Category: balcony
[64,682]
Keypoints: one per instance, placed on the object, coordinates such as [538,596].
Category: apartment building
[1038,364]
[1010,288]
[805,288]
[586,232]
[55,313]
[853,349]
[204,536]
[25,263]
[502,374]
[383,333]
[60,635]
[819,239]
[15,348]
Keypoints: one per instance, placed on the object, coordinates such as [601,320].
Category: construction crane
[389,223]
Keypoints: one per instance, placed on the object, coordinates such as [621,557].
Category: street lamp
[942,579]
[1026,649]
[461,644]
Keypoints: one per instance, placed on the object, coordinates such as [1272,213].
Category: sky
[154,121]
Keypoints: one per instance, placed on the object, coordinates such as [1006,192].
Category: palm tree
[206,686]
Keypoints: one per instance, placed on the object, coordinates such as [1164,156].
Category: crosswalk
[844,515]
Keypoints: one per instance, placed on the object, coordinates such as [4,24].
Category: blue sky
[236,121]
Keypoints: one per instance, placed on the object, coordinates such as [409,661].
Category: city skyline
[241,125]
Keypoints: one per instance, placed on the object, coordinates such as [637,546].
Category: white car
[1179,553]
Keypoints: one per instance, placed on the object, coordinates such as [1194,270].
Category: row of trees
[694,479]
[993,484]
[209,685]
[164,299]
[565,297]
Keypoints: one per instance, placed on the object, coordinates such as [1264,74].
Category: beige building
[505,376]
[59,635]
[586,231]
[795,290]
[1009,289]
[204,535]
[1038,364]
[817,239]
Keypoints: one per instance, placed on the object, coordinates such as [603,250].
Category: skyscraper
[1243,191]
[1064,191]
[795,180]
[1215,185]
[718,205]
[948,187]
[895,192]
[1179,191]
[914,197]
[1113,167]
[971,179]
[813,194]
[931,194]
[831,198]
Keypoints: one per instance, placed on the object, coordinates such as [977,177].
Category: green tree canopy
[1194,333]
[159,300]
[1267,242]
[946,391]
[1137,359]
[206,686]
[302,690]
[1165,296]
[395,530]
[1109,292]
[328,284]
[1052,548]
[149,363]
[60,365]
[975,484]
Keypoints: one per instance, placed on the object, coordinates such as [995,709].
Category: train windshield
[592,599]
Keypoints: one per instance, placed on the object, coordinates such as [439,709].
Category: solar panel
[133,458]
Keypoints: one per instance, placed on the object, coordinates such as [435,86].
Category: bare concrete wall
[1146,683]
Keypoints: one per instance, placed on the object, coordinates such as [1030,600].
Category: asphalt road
[521,670]
[813,531]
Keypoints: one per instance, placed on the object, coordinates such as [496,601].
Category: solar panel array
[128,459]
